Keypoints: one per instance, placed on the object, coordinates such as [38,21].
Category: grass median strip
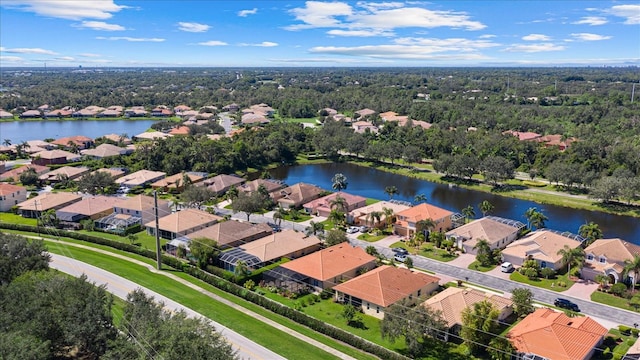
[244,324]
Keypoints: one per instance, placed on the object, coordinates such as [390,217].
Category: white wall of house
[10,200]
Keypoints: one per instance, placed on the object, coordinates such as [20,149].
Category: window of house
[589,257]
[419,292]
[368,306]
[377,309]
[603,260]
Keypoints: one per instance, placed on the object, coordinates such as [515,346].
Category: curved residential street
[120,287]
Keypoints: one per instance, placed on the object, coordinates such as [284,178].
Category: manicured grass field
[549,284]
[476,266]
[371,238]
[17,219]
[609,299]
[244,324]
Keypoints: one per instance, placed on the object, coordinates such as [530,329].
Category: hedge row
[232,288]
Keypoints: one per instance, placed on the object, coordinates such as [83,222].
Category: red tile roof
[330,262]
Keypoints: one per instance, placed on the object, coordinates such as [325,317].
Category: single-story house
[118,138]
[105,150]
[176,182]
[271,248]
[498,232]
[377,289]
[70,172]
[81,142]
[607,257]
[251,118]
[93,208]
[328,267]
[180,130]
[151,135]
[361,215]
[453,300]
[139,209]
[11,195]
[5,114]
[230,233]
[220,184]
[31,114]
[51,157]
[541,245]
[406,220]
[323,206]
[522,135]
[296,195]
[140,178]
[553,335]
[364,113]
[362,126]
[114,172]
[269,185]
[181,223]
[34,207]
[14,173]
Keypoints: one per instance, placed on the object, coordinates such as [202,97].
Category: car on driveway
[352,229]
[363,229]
[566,304]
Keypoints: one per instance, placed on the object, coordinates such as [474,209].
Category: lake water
[19,131]
[371,183]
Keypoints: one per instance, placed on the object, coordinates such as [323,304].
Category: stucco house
[361,215]
[140,178]
[228,234]
[94,207]
[11,195]
[406,220]
[377,289]
[136,210]
[181,223]
[607,257]
[296,195]
[220,184]
[541,245]
[54,157]
[498,232]
[323,206]
[34,207]
[69,172]
[176,183]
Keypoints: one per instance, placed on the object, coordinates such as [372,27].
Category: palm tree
[483,252]
[374,217]
[339,182]
[336,217]
[468,212]
[538,220]
[633,266]
[591,232]
[241,269]
[425,225]
[529,214]
[6,142]
[485,207]
[391,190]
[314,228]
[388,215]
[339,203]
[571,256]
[420,198]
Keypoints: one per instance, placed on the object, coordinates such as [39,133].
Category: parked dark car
[566,304]
[400,251]
[274,227]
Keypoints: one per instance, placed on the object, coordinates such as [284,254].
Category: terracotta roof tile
[452,301]
[330,262]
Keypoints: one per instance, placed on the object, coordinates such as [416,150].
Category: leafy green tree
[419,198]
[418,325]
[248,203]
[496,168]
[205,250]
[522,301]
[408,262]
[97,182]
[538,219]
[314,228]
[335,237]
[468,212]
[485,207]
[195,196]
[337,217]
[351,314]
[500,348]
[49,218]
[339,182]
[547,272]
[371,250]
[19,255]
[571,256]
[479,326]
[29,177]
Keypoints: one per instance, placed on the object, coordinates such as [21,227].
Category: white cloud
[245,13]
[590,37]
[65,58]
[382,17]
[332,60]
[536,37]
[630,12]
[534,48]
[12,59]
[591,20]
[90,55]
[100,25]
[487,36]
[213,43]
[262,44]
[360,33]
[128,38]
[67,9]
[38,51]
[193,27]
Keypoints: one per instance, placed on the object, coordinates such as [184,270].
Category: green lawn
[549,284]
[371,238]
[612,300]
[370,201]
[476,266]
[429,250]
[17,219]
[301,217]
[620,348]
[274,339]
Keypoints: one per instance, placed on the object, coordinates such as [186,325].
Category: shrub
[624,330]
[548,273]
[618,289]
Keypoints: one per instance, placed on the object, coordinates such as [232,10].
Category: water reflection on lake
[371,183]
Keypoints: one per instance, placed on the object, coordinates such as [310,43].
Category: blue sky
[318,33]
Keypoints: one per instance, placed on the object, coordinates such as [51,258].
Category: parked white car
[352,230]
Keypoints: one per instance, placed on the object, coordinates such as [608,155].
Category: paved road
[616,315]
[120,287]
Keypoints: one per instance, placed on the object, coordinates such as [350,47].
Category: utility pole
[633,91]
[158,254]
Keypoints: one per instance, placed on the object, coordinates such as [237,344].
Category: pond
[19,131]
[371,183]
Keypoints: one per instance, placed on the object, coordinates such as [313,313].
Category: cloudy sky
[318,33]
